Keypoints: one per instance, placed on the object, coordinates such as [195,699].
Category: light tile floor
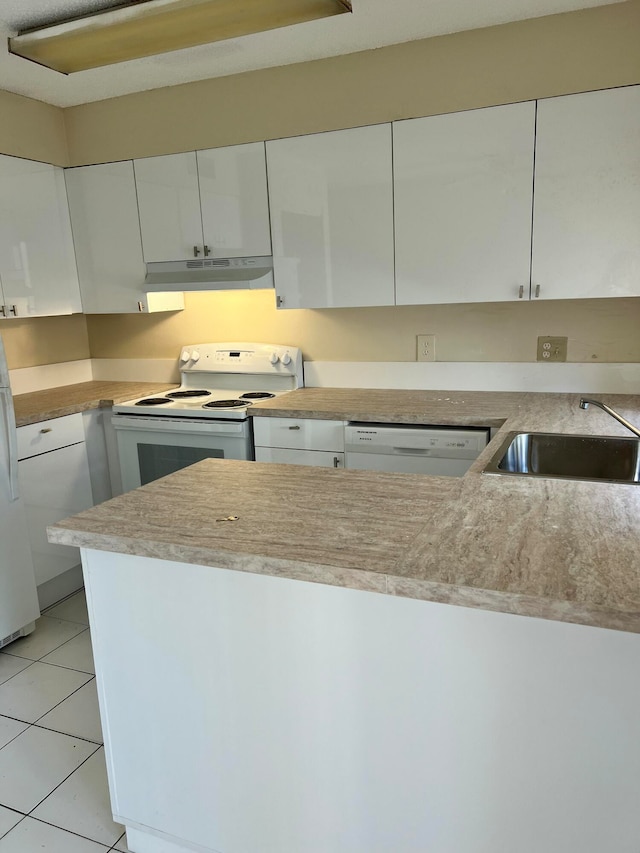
[53,779]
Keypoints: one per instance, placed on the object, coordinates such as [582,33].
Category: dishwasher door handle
[411,451]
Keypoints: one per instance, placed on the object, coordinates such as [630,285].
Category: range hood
[211,274]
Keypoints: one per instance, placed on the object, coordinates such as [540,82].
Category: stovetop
[222,381]
[216,403]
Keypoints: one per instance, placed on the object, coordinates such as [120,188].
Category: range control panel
[272,359]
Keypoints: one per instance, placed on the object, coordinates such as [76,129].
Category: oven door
[152,447]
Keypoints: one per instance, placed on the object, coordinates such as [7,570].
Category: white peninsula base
[245,713]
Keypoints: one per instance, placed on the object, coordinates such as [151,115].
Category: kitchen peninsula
[339,702]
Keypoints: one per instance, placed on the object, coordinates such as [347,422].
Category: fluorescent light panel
[157,26]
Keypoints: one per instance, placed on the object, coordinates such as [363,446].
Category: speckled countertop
[554,549]
[471,408]
[69,399]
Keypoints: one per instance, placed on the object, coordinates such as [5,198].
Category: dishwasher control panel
[451,443]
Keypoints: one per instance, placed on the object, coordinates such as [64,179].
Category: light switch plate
[552,349]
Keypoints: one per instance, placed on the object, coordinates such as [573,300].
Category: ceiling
[374,23]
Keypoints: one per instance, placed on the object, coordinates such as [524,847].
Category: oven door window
[159,460]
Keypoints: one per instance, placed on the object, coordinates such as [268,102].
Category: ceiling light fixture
[150,27]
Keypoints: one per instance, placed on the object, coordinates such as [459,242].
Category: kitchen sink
[568,457]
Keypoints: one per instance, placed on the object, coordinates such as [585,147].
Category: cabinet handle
[537,291]
[521,291]
[207,251]
[46,429]
[294,427]
[13,309]
[279,301]
[3,310]
[196,251]
[336,461]
[141,307]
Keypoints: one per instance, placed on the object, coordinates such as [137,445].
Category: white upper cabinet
[587,196]
[233,197]
[37,261]
[169,203]
[331,202]
[206,203]
[463,187]
[106,231]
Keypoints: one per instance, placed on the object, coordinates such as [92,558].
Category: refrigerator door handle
[6,400]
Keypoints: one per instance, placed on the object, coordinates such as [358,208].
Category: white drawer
[44,436]
[317,458]
[299,433]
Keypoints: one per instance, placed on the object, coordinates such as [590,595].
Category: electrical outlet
[426,348]
[552,349]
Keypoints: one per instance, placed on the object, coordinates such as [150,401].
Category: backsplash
[599,330]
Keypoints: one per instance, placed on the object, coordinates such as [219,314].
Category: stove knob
[286,358]
[186,355]
[195,356]
[274,358]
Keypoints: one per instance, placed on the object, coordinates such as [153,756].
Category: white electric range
[208,415]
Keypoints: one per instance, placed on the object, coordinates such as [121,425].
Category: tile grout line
[91,677]
[57,705]
[22,817]
[71,831]
[75,769]
[93,743]
[55,649]
[30,724]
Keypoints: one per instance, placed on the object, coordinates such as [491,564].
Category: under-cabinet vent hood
[211,274]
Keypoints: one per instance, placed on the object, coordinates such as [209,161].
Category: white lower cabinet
[54,484]
[287,456]
[299,441]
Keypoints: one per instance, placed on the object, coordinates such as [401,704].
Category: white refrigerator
[18,597]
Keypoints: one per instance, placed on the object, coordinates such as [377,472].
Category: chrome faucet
[585,402]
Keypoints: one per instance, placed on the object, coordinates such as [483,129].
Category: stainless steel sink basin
[568,457]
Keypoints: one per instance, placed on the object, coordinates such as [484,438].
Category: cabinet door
[316,458]
[106,232]
[37,261]
[169,204]
[54,485]
[233,197]
[587,196]
[463,192]
[331,203]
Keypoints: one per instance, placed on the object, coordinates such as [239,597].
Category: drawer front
[287,456]
[49,435]
[299,433]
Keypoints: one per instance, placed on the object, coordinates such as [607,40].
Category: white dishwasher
[443,451]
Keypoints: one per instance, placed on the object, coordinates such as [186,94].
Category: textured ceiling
[374,23]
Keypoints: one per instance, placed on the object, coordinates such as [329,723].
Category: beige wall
[590,49]
[598,329]
[32,129]
[45,340]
